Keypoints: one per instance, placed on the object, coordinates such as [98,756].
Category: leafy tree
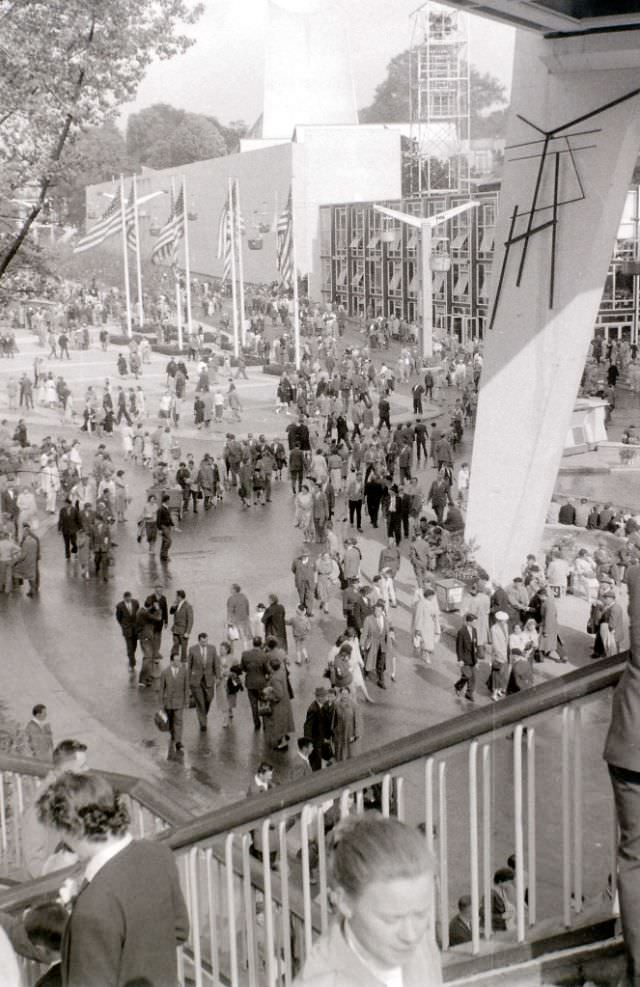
[162,136]
[391,101]
[65,67]
[194,139]
[96,156]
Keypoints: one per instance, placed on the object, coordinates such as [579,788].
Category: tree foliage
[65,66]
[161,136]
[391,101]
[96,156]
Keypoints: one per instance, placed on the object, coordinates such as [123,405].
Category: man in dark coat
[68,525]
[467,655]
[174,698]
[275,621]
[319,726]
[127,617]
[205,670]
[255,666]
[374,491]
[460,924]
[129,914]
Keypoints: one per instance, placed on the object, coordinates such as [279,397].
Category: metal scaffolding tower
[439,99]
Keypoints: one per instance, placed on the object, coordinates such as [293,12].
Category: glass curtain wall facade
[369,264]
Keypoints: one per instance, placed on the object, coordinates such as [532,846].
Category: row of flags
[165,248]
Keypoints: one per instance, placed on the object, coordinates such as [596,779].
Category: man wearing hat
[319,726]
[467,655]
[374,642]
[304,578]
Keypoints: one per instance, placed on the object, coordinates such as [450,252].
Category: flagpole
[232,230]
[136,227]
[240,264]
[127,289]
[187,262]
[296,306]
[177,277]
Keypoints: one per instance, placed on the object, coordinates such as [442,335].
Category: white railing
[509,778]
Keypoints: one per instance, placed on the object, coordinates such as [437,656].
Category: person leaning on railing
[622,754]
[384,935]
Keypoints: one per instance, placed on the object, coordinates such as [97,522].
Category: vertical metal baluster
[322,870]
[344,803]
[444,873]
[194,918]
[386,794]
[613,851]
[286,917]
[473,845]
[400,802]
[183,871]
[531,822]
[306,877]
[428,801]
[247,895]
[140,816]
[20,796]
[577,808]
[518,825]
[3,818]
[566,821]
[487,877]
[212,904]
[231,911]
[269,937]
[359,802]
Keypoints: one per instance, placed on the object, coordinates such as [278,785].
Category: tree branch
[45,181]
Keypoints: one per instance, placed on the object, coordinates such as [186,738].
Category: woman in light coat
[499,676]
[327,577]
[425,622]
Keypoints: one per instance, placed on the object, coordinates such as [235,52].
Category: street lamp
[426,224]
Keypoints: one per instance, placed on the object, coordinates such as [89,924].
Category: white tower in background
[308,76]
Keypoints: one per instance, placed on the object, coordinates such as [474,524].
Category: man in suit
[255,666]
[460,924]
[127,617]
[205,670]
[374,642]
[158,596]
[68,525]
[182,623]
[164,523]
[319,728]
[174,698]
[129,914]
[467,655]
[622,754]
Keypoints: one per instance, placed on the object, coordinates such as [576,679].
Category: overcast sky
[222,73]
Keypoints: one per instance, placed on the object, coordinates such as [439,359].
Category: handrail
[151,798]
[508,712]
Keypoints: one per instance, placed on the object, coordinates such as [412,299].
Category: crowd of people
[347,469]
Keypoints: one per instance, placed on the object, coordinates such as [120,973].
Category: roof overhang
[558,17]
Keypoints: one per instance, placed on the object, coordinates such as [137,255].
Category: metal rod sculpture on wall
[551,151]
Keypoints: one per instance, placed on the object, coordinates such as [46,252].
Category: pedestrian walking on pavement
[174,699]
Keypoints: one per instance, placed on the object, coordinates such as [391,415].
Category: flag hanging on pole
[224,240]
[108,225]
[166,247]
[284,244]
[132,243]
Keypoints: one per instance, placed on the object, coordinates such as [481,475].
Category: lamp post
[426,226]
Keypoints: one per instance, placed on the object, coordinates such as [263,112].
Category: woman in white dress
[304,513]
[126,435]
[356,665]
[425,622]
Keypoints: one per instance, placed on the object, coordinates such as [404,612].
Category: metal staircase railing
[522,776]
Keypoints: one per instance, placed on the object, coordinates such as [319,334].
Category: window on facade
[341,276]
[459,241]
[374,241]
[357,278]
[412,239]
[395,277]
[439,282]
[461,286]
[443,103]
[486,244]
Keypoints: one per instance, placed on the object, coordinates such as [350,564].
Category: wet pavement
[65,649]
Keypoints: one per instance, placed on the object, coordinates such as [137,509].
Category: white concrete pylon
[534,354]
[426,224]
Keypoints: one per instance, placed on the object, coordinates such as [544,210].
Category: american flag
[131,223]
[224,236]
[108,225]
[224,240]
[284,244]
[166,246]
